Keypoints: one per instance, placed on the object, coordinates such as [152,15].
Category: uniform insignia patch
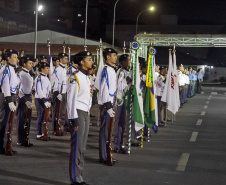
[72,81]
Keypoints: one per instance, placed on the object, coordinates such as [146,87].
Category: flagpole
[85,46]
[64,46]
[48,45]
[124,48]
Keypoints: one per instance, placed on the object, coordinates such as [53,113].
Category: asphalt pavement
[191,151]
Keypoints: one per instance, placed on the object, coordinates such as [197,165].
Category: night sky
[188,12]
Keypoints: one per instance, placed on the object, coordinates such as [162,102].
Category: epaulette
[18,69]
[74,72]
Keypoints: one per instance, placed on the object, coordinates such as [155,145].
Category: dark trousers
[181,94]
[103,133]
[62,109]
[189,89]
[22,119]
[4,117]
[41,110]
[121,126]
[78,147]
[199,83]
[185,92]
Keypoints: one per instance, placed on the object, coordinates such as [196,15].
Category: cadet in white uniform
[42,95]
[121,123]
[25,100]
[9,85]
[106,97]
[161,80]
[59,88]
[79,97]
[181,82]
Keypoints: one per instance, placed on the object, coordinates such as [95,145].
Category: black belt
[0,89]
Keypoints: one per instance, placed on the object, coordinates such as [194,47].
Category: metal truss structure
[180,40]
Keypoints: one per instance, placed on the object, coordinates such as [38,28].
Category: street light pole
[113,38]
[86,25]
[36,27]
[151,9]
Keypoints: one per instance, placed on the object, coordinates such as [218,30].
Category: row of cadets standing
[25,102]
[121,122]
[79,98]
[9,85]
[42,96]
[59,78]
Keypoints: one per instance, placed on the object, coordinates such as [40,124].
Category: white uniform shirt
[181,80]
[160,85]
[42,86]
[59,79]
[121,82]
[79,94]
[26,83]
[8,77]
[107,89]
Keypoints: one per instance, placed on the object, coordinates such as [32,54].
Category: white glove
[12,106]
[59,97]
[29,104]
[111,112]
[47,104]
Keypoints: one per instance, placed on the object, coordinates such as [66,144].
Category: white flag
[100,66]
[170,91]
[51,70]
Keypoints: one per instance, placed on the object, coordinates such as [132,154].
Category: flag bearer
[79,98]
[121,123]
[161,81]
[42,95]
[59,88]
[25,100]
[106,97]
[8,88]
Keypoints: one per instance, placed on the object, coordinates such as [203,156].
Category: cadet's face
[64,60]
[112,58]
[127,63]
[87,63]
[45,70]
[13,59]
[28,65]
[57,62]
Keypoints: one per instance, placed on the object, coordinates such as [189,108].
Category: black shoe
[82,183]
[29,145]
[123,151]
[135,144]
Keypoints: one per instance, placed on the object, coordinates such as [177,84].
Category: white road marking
[207,102]
[203,113]
[193,137]
[209,98]
[206,106]
[214,93]
[202,92]
[199,122]
[182,163]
